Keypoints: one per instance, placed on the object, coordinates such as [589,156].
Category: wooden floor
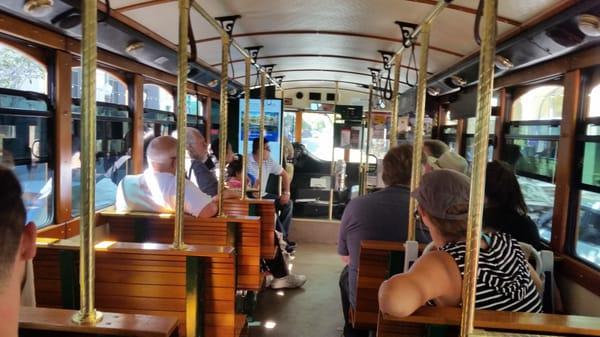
[312,311]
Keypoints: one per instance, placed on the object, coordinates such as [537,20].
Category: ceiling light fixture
[160,60]
[458,81]
[38,8]
[134,48]
[503,63]
[589,24]
[213,83]
[433,91]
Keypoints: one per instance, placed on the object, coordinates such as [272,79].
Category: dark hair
[436,147]
[12,223]
[234,167]
[397,165]
[502,188]
[256,144]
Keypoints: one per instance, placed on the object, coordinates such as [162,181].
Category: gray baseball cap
[442,190]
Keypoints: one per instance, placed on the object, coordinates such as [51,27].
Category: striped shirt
[503,279]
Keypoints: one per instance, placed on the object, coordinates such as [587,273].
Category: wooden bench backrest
[149,227]
[130,279]
[265,209]
[47,321]
[490,320]
[374,266]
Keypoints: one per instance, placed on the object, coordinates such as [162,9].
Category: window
[24,131]
[470,138]
[531,147]
[113,138]
[317,134]
[587,245]
[195,111]
[289,125]
[159,107]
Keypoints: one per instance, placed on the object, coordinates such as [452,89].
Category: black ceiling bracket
[228,22]
[279,80]
[253,51]
[269,68]
[386,56]
[374,75]
[406,28]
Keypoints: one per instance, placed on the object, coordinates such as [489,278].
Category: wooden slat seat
[57,322]
[241,232]
[374,266]
[552,324]
[196,285]
[265,209]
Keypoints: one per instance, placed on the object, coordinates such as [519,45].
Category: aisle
[311,311]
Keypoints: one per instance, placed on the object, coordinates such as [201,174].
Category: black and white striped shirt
[503,280]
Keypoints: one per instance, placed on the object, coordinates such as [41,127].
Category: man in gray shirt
[382,215]
[197,171]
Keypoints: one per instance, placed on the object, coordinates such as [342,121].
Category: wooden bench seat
[47,322]
[241,232]
[196,285]
[265,209]
[378,260]
[553,324]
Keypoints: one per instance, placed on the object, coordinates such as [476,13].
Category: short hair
[190,134]
[502,188]
[436,147]
[162,150]
[234,167]
[12,223]
[397,165]
[256,144]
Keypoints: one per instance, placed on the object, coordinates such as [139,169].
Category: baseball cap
[441,191]
[449,160]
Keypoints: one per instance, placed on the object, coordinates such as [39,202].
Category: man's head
[162,154]
[256,147]
[195,144]
[434,148]
[397,165]
[215,148]
[17,240]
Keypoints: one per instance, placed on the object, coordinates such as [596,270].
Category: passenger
[449,160]
[288,157]
[283,204]
[504,280]
[214,148]
[434,148]
[17,248]
[382,215]
[505,209]
[234,174]
[197,171]
[155,190]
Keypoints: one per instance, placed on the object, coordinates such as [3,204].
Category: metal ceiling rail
[428,20]
[242,51]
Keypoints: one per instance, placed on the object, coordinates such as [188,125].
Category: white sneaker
[290,281]
[268,280]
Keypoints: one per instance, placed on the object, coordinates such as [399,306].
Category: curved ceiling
[315,43]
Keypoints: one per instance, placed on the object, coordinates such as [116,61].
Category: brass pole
[395,104]
[476,197]
[418,133]
[223,118]
[182,70]
[261,133]
[283,160]
[368,127]
[87,314]
[332,178]
[246,125]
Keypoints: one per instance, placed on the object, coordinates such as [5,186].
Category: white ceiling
[347,33]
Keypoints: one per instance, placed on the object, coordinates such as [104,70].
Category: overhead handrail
[216,25]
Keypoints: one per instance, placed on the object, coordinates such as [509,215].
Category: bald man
[155,190]
[197,171]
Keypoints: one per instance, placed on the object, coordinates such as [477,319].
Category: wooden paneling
[566,154]
[265,209]
[39,321]
[565,325]
[461,129]
[63,137]
[579,272]
[137,137]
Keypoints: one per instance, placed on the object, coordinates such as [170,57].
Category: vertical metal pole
[418,134]
[332,178]
[395,103]
[182,70]
[261,134]
[246,122]
[368,146]
[283,160]
[476,197]
[87,313]
[223,118]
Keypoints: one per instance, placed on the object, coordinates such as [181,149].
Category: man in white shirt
[155,190]
[283,204]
